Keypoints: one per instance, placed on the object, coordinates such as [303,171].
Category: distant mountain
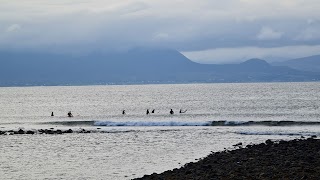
[311,63]
[136,66]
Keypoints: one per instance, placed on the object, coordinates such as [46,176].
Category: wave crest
[147,123]
[185,123]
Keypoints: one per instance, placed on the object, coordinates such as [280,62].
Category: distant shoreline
[295,159]
[164,83]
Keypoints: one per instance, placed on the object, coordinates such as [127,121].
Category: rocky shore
[43,131]
[295,159]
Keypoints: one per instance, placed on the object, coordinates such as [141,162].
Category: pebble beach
[295,159]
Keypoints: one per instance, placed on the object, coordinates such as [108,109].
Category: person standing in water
[171,111]
[70,114]
[147,112]
[52,114]
[153,111]
[124,112]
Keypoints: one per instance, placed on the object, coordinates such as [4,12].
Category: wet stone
[21,131]
[68,131]
[296,159]
[29,132]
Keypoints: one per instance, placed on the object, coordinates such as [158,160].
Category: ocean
[130,145]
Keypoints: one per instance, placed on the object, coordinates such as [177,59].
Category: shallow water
[131,145]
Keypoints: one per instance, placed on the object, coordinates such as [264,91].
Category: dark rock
[281,142]
[21,131]
[29,132]
[238,144]
[287,163]
[68,131]
[84,131]
[49,131]
[269,142]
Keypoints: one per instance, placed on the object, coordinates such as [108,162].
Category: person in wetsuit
[70,114]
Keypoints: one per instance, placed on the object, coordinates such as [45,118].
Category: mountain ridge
[310,63]
[137,66]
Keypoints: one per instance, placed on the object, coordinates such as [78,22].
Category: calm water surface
[131,145]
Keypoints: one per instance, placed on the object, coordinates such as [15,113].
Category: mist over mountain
[311,63]
[137,66]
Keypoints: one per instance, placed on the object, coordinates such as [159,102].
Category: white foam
[150,123]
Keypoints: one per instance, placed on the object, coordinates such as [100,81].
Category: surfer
[70,114]
[171,111]
[182,111]
[124,112]
[153,111]
[52,114]
[147,112]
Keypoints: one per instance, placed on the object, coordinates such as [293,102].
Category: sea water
[132,145]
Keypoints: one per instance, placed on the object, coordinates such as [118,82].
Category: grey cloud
[13,28]
[268,33]
[187,25]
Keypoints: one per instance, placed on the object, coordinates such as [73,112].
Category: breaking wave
[185,123]
[208,123]
[147,123]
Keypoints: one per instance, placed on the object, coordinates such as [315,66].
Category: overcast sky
[209,31]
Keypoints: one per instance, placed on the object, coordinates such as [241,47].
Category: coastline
[295,159]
